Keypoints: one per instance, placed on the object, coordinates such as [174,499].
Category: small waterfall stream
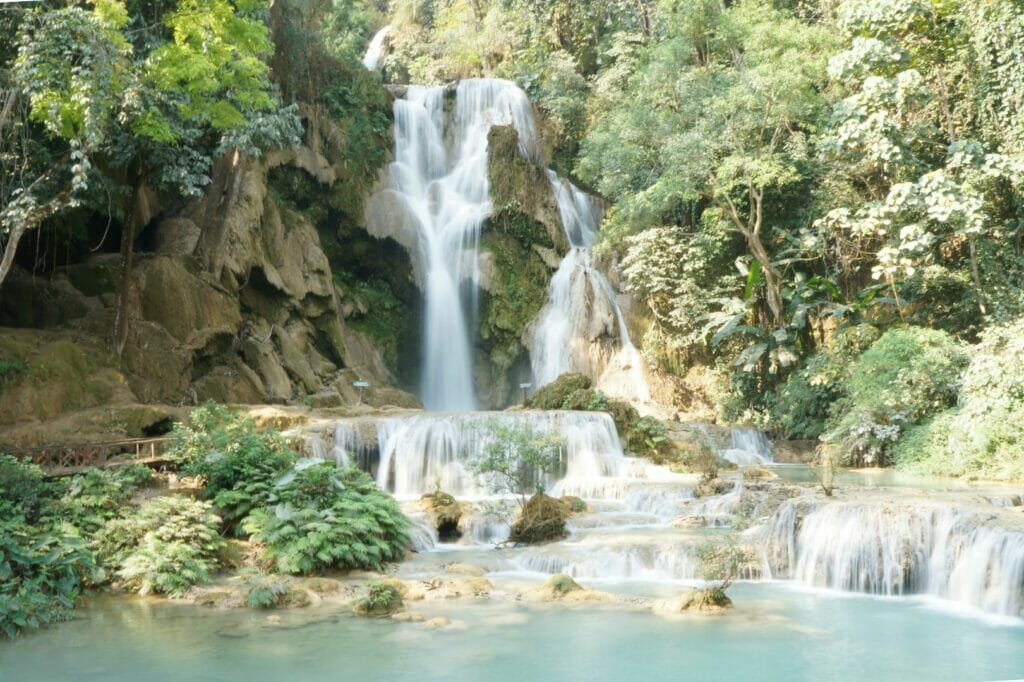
[582,310]
[375,52]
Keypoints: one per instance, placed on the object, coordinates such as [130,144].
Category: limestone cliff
[232,298]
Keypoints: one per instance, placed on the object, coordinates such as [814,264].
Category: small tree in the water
[517,459]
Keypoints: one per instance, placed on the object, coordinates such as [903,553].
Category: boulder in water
[562,588]
[444,513]
[709,600]
[541,519]
[575,505]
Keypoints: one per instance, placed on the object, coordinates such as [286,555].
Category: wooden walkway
[64,460]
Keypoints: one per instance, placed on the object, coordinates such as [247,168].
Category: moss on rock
[554,395]
[541,519]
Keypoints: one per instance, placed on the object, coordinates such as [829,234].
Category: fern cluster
[170,545]
[237,463]
[329,518]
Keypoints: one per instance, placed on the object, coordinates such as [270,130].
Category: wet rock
[443,588]
[444,513]
[408,617]
[465,569]
[325,399]
[541,519]
[710,600]
[438,622]
[325,587]
[690,522]
[176,236]
[575,505]
[715,486]
[215,596]
[561,587]
[296,597]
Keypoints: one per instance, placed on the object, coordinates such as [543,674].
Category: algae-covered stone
[710,600]
[562,588]
[541,519]
[554,395]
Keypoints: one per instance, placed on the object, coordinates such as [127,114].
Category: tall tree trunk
[137,215]
[975,274]
[772,279]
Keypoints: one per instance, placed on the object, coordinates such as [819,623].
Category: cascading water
[423,452]
[644,521]
[375,51]
[582,310]
[952,554]
[438,186]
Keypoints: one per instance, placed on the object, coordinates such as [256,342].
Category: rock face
[264,290]
[541,519]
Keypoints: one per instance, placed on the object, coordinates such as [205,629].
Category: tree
[517,458]
[138,105]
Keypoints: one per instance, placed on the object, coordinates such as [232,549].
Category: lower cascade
[899,549]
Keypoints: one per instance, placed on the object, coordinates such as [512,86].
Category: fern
[326,518]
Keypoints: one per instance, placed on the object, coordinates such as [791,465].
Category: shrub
[801,405]
[41,576]
[324,518]
[906,376]
[264,591]
[984,435]
[554,396]
[380,599]
[237,463]
[178,546]
[649,438]
[24,493]
[95,497]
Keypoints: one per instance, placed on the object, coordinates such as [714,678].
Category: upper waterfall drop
[375,52]
[439,183]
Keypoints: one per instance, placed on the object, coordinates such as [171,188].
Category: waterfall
[947,553]
[582,309]
[748,447]
[374,53]
[419,453]
[438,196]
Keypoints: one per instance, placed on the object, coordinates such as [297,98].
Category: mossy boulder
[523,185]
[562,588]
[444,513]
[554,395]
[708,600]
[541,519]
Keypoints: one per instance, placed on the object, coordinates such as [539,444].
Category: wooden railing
[60,460]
